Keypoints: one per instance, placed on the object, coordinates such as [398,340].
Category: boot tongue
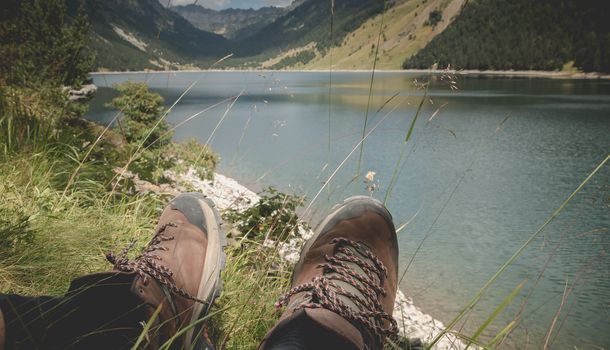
[372,280]
[349,286]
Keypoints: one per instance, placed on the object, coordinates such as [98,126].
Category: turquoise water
[497,158]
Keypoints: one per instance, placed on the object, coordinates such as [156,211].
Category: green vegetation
[294,60]
[143,111]
[522,35]
[28,28]
[433,18]
[272,217]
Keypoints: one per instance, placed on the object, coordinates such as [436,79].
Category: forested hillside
[523,35]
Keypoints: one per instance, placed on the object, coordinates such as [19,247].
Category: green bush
[274,216]
[192,154]
[150,136]
[142,112]
[433,18]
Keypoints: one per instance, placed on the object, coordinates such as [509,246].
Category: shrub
[274,216]
[433,18]
[192,154]
[143,110]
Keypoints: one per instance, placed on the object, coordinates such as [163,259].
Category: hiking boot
[178,273]
[346,278]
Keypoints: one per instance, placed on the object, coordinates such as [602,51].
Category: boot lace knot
[147,265]
[324,291]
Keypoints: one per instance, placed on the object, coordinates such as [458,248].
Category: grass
[254,279]
[66,237]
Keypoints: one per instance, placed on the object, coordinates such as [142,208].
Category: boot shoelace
[322,292]
[146,264]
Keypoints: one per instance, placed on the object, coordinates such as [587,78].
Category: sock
[305,334]
[98,312]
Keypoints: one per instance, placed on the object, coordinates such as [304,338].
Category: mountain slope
[523,35]
[309,23]
[136,34]
[406,30]
[230,23]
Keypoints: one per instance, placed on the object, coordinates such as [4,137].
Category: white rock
[224,191]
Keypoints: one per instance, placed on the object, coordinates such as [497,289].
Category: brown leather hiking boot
[179,270]
[346,277]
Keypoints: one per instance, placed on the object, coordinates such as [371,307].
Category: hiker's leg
[1,330]
[306,334]
[344,285]
[97,310]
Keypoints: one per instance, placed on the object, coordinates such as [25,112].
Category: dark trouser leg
[98,312]
[304,334]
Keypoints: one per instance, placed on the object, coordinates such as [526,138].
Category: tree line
[522,35]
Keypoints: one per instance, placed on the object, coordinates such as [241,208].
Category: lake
[486,165]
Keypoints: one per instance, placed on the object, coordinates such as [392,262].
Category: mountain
[230,23]
[523,35]
[137,34]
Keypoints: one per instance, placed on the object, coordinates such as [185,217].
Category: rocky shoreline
[230,194]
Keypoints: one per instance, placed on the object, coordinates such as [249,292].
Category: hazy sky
[223,4]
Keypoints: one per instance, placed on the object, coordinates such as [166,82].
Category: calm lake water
[497,158]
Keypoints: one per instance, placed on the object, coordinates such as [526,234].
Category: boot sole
[210,286]
[346,209]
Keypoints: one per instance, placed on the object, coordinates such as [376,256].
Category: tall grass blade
[509,327]
[421,104]
[368,103]
[207,142]
[497,311]
[556,316]
[330,71]
[473,341]
[308,208]
[402,152]
[146,328]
